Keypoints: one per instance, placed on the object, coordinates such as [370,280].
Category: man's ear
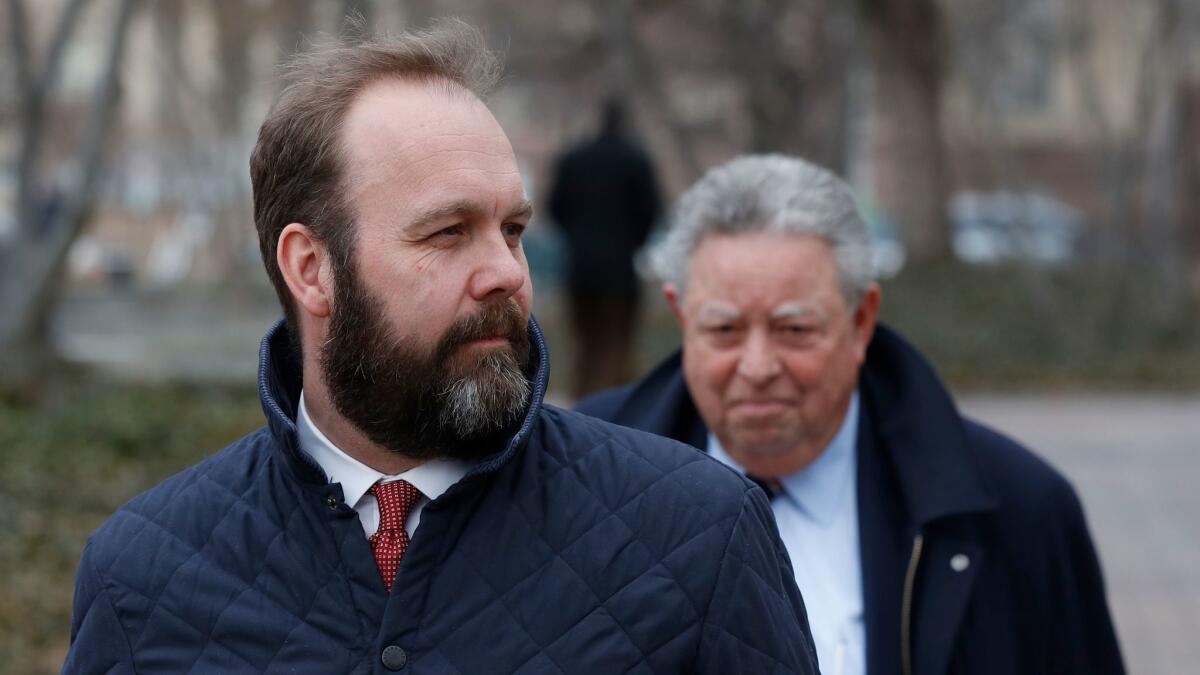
[671,293]
[304,262]
[865,318]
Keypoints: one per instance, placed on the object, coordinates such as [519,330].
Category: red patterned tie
[396,500]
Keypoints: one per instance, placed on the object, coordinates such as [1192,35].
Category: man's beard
[422,405]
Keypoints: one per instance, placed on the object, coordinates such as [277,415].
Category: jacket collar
[924,437]
[280,380]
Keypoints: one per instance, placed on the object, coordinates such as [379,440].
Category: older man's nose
[758,363]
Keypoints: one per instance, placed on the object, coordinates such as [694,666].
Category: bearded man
[411,504]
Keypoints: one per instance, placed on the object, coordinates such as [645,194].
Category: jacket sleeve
[1088,641]
[98,641]
[755,621]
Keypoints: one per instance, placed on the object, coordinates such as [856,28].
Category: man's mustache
[497,320]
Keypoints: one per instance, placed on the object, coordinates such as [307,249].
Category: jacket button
[393,658]
[332,502]
[960,562]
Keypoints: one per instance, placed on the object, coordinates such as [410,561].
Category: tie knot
[396,500]
[771,486]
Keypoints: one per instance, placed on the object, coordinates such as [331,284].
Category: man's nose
[759,363]
[499,272]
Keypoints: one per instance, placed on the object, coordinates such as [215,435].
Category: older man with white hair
[923,542]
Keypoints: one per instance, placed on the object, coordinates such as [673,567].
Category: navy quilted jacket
[580,547]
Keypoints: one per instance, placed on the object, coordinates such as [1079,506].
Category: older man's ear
[671,293]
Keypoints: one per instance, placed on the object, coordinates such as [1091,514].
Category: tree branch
[18,34]
[99,122]
[35,96]
[37,265]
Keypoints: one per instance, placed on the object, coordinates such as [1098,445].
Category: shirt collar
[431,478]
[820,487]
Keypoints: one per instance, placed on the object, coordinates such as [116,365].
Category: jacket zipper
[910,578]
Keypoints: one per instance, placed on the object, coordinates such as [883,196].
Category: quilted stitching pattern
[596,549]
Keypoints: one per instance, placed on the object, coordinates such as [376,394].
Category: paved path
[1135,460]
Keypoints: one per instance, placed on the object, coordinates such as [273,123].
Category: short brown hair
[297,165]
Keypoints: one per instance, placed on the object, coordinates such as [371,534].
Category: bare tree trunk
[233,41]
[1140,170]
[1162,205]
[650,81]
[619,34]
[825,131]
[1189,184]
[295,21]
[35,91]
[775,91]
[909,43]
[233,38]
[31,263]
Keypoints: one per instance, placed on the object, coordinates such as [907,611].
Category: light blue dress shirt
[817,514]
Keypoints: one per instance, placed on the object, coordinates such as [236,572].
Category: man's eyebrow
[522,210]
[713,311]
[464,208]
[456,209]
[796,310]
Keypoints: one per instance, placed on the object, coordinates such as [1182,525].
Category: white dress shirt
[431,478]
[817,514]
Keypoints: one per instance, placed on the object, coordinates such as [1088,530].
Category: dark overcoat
[989,540]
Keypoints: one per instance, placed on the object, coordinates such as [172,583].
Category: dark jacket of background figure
[578,547]
[1030,600]
[605,199]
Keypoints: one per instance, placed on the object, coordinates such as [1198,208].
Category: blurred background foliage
[1030,170]
[72,451]
[1043,151]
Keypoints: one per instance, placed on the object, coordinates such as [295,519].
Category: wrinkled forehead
[765,274]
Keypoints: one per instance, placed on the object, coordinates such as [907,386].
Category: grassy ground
[1004,327]
[69,456]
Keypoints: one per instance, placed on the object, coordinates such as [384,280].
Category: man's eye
[797,333]
[513,230]
[452,231]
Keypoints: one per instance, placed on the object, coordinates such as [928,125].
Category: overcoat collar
[937,471]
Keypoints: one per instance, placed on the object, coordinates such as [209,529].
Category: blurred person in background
[924,543]
[605,200]
[411,504]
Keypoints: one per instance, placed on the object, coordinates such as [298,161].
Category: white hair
[488,400]
[769,193]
